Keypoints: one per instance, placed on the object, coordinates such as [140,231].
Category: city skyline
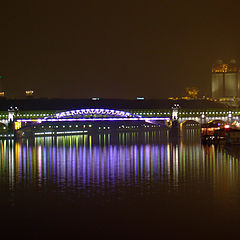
[120,119]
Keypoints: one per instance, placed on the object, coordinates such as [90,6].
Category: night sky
[114,49]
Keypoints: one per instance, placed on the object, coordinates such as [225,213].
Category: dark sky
[115,48]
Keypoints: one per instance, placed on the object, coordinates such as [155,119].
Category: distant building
[29,93]
[225,79]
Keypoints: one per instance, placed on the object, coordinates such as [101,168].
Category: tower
[225,79]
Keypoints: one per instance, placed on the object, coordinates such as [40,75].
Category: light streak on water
[98,163]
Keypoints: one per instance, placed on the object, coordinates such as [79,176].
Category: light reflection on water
[140,185]
[107,162]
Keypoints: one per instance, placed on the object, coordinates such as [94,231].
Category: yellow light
[17,125]
[29,92]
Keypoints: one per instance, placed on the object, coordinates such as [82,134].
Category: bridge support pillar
[175,128]
[230,120]
[203,119]
[174,131]
[175,111]
[11,118]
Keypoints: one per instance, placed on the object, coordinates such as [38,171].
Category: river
[132,185]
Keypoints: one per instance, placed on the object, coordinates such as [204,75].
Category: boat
[215,134]
[207,132]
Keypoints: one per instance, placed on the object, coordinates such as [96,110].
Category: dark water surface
[119,186]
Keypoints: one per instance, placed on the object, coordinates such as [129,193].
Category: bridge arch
[190,121]
[3,123]
[218,121]
[88,112]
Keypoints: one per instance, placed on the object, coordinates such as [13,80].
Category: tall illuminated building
[225,79]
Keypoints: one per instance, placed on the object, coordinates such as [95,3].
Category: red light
[227,126]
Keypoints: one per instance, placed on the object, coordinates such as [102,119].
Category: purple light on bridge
[86,112]
[92,119]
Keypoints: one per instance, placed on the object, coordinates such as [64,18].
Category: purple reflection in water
[92,164]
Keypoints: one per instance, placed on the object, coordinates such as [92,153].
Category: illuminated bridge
[86,120]
[98,117]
